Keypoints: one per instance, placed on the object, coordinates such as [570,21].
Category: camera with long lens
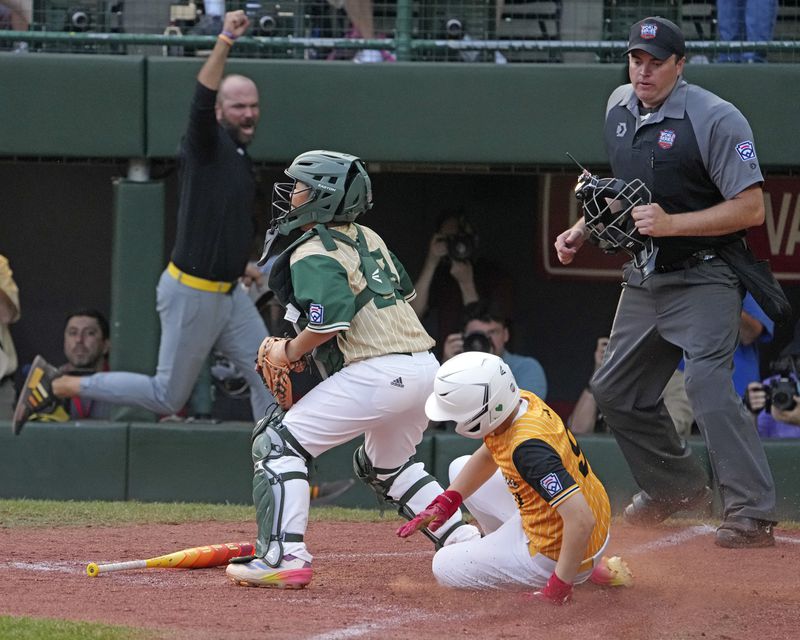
[460,246]
[477,341]
[782,390]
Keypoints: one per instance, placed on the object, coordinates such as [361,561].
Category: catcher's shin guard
[280,490]
[409,488]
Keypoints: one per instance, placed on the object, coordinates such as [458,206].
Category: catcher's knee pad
[280,488]
[408,487]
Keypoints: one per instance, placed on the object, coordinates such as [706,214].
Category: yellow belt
[198,283]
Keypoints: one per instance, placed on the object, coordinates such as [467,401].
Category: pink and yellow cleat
[612,572]
[292,573]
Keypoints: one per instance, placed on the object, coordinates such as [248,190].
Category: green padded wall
[130,106]
[784,460]
[190,463]
[211,463]
[72,105]
[69,461]
[412,112]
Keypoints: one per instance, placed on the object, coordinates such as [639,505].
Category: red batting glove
[434,515]
[556,591]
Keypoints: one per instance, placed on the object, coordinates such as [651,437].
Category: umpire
[695,153]
[200,302]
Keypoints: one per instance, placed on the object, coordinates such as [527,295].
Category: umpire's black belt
[693,260]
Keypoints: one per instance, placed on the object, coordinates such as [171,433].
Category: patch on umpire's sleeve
[746,150]
[551,484]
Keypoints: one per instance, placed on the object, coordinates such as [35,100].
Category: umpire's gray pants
[693,312]
[193,323]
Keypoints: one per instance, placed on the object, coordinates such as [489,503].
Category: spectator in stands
[487,329]
[750,20]
[9,313]
[15,14]
[200,302]
[86,346]
[781,388]
[362,18]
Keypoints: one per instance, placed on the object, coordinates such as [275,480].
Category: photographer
[776,402]
[486,329]
[452,256]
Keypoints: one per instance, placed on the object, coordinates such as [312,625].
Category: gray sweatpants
[695,313]
[193,323]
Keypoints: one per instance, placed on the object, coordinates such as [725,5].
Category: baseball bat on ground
[194,558]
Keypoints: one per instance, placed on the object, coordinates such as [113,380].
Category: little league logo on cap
[657,36]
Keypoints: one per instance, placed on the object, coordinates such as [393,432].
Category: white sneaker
[292,573]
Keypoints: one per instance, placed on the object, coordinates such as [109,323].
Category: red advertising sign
[777,240]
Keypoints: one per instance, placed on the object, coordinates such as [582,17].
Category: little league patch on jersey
[666,138]
[551,484]
[746,150]
[316,313]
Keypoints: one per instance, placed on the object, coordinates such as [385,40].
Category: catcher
[342,283]
[545,514]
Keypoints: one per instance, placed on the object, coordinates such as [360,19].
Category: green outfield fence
[444,31]
[211,463]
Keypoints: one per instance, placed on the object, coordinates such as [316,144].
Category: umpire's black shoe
[738,532]
[36,394]
[643,511]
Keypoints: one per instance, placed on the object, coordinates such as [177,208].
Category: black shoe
[643,511]
[738,532]
[327,492]
[36,394]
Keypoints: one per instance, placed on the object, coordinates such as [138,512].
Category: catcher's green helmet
[339,190]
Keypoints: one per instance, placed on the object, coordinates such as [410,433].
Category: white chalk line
[671,539]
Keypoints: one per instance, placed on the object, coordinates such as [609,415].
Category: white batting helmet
[474,389]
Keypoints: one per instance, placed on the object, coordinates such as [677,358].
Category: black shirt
[215,227]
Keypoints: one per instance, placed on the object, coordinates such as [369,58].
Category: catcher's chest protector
[380,284]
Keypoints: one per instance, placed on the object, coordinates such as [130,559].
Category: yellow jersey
[543,466]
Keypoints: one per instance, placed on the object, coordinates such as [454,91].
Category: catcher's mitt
[274,367]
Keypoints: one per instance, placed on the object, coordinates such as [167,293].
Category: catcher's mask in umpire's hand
[607,205]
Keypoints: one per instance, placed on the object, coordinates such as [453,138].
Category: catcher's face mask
[607,205]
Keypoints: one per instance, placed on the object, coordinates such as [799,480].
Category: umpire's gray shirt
[694,152]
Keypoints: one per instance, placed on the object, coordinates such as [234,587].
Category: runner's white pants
[500,559]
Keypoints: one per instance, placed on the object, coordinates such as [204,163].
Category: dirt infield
[370,584]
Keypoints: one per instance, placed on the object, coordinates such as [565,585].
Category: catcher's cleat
[37,393]
[293,573]
[612,572]
[326,492]
[738,532]
[643,511]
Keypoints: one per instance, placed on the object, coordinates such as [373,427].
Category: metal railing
[470,30]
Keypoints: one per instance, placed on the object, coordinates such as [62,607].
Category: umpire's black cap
[657,36]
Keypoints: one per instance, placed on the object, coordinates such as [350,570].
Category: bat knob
[92,570]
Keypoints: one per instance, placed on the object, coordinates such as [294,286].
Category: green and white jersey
[326,284]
